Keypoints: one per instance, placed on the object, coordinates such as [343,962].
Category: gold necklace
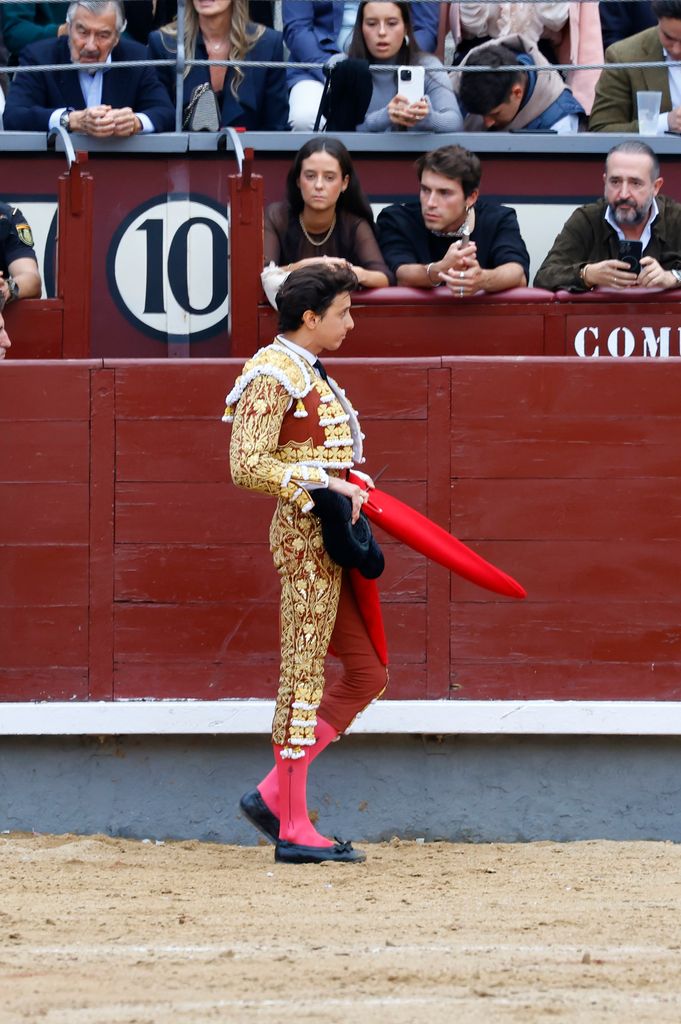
[326,237]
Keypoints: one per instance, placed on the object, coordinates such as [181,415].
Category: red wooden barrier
[130,567]
[60,328]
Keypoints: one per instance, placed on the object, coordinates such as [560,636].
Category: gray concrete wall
[472,789]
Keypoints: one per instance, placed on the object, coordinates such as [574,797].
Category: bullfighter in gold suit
[294,432]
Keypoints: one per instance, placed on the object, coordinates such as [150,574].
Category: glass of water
[648,104]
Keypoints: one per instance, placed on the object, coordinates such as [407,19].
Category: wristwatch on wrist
[677,275]
[13,288]
[64,119]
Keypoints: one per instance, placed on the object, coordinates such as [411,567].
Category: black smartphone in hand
[630,253]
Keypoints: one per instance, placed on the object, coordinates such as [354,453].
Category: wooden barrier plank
[44,391]
[586,571]
[178,450]
[479,452]
[409,329]
[569,680]
[40,637]
[51,513]
[45,450]
[430,331]
[36,683]
[238,678]
[35,327]
[392,390]
[172,450]
[208,513]
[584,510]
[563,388]
[43,574]
[190,573]
[181,513]
[437,470]
[166,633]
[102,468]
[638,633]
[156,389]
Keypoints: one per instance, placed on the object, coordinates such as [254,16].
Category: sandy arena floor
[109,931]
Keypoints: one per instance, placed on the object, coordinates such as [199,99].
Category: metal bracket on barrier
[233,135]
[66,141]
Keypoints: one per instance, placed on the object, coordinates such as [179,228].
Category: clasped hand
[104,121]
[460,270]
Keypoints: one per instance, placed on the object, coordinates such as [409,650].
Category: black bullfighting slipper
[258,813]
[341,852]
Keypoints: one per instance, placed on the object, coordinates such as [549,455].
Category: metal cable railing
[180,63]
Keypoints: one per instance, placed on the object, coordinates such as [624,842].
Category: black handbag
[352,546]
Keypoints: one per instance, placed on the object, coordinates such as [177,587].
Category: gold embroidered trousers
[310,589]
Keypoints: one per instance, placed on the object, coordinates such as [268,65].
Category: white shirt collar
[645,237]
[91,82]
[89,70]
[287,343]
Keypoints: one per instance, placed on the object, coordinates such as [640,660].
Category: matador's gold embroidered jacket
[291,427]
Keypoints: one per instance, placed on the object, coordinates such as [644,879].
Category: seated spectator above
[89,101]
[325,219]
[622,18]
[473,24]
[515,100]
[253,98]
[143,16]
[23,24]
[586,254]
[371,100]
[566,33]
[315,30]
[449,236]
[614,108]
[19,274]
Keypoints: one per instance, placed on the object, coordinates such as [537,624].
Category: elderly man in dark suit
[93,100]
[614,108]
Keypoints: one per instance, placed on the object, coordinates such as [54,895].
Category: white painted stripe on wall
[388,717]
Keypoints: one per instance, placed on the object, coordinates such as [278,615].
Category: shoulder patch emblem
[25,234]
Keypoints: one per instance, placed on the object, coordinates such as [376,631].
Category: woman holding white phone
[418,97]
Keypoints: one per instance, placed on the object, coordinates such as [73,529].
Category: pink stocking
[269,787]
[294,822]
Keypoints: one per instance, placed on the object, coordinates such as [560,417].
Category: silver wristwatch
[64,119]
[677,275]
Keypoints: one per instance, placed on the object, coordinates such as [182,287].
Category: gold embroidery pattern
[310,588]
[255,459]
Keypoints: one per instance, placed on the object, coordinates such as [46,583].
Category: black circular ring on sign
[176,266]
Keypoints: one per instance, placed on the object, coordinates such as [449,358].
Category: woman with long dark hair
[384,34]
[365,96]
[325,219]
